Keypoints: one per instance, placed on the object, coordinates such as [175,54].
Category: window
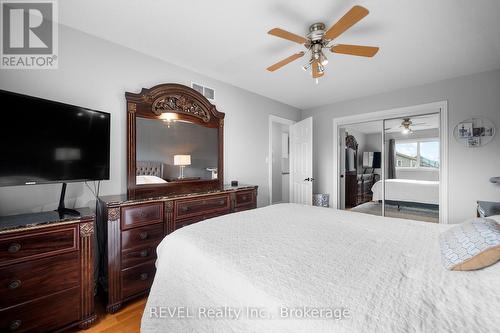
[417,154]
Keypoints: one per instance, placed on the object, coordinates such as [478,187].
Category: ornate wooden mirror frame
[188,105]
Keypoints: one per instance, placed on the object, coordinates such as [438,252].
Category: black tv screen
[43,142]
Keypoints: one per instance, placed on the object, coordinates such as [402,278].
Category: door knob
[309,179]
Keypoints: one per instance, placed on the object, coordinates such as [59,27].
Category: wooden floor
[127,320]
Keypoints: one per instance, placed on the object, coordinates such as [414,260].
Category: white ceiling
[420,41]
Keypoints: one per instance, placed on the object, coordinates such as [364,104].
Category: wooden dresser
[358,188]
[134,228]
[46,272]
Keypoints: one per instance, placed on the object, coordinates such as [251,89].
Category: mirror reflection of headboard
[177,127]
[149,168]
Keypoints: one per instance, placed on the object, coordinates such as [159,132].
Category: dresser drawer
[136,256]
[201,206]
[137,279]
[37,244]
[43,315]
[184,222]
[32,279]
[141,236]
[135,216]
[245,198]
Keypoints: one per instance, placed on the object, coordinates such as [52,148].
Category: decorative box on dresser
[46,272]
[136,227]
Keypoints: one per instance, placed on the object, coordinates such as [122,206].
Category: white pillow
[471,245]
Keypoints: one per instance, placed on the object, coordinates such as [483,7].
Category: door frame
[441,107]
[283,121]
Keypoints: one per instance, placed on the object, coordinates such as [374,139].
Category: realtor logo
[29,34]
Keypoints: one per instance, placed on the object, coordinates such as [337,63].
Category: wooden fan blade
[287,35]
[315,70]
[285,61]
[348,20]
[357,50]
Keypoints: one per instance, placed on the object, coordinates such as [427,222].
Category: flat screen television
[372,159]
[44,142]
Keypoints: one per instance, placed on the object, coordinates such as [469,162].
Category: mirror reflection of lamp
[182,161]
[213,171]
[168,118]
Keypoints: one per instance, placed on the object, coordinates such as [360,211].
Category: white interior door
[301,158]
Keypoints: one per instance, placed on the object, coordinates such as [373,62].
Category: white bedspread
[385,272]
[148,179]
[408,190]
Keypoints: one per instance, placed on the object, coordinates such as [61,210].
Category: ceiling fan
[406,126]
[318,39]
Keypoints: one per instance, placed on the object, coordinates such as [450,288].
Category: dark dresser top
[35,220]
[121,199]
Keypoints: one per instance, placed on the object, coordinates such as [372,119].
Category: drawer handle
[144,253]
[144,276]
[15,325]
[184,208]
[221,202]
[244,197]
[143,235]
[15,284]
[14,247]
[143,214]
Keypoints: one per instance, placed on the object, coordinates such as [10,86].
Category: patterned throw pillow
[471,245]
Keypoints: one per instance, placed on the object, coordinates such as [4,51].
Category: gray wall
[374,143]
[469,169]
[96,73]
[361,140]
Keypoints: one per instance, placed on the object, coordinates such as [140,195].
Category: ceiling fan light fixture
[323,60]
[321,68]
[405,126]
[320,38]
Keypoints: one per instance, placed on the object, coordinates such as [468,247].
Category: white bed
[407,190]
[149,179]
[386,272]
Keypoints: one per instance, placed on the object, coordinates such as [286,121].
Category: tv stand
[61,209]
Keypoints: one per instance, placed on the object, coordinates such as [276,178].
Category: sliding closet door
[360,167]
[412,167]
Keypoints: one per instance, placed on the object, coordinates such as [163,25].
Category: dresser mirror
[175,142]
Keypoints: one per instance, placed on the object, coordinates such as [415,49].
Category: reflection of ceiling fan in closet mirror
[409,125]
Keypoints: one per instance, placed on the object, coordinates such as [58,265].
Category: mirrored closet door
[391,167]
[361,166]
[412,167]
